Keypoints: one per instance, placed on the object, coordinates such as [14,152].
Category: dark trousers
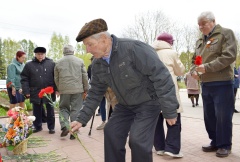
[218,104]
[37,112]
[137,121]
[172,142]
[102,108]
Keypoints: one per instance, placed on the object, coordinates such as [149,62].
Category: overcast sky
[37,20]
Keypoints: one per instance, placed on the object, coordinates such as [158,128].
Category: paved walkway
[193,137]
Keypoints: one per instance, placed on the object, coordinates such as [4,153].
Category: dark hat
[40,50]
[68,50]
[90,28]
[166,37]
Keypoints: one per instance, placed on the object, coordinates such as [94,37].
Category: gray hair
[96,36]
[208,15]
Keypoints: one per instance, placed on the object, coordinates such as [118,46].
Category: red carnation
[49,90]
[198,60]
[41,93]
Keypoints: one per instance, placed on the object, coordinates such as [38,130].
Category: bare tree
[190,36]
[176,30]
[147,26]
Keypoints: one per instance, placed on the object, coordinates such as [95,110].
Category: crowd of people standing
[139,83]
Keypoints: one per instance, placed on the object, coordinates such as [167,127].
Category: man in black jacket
[141,84]
[36,75]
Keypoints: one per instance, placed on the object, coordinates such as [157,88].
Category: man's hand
[171,121]
[84,95]
[195,75]
[27,95]
[57,94]
[13,91]
[200,68]
[74,126]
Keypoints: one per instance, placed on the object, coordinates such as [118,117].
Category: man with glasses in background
[218,48]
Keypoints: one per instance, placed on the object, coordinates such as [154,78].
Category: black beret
[90,28]
[40,50]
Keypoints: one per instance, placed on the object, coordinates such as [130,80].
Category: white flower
[31,118]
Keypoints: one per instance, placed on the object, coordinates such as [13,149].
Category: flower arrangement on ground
[18,127]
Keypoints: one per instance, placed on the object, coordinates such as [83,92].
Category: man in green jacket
[217,48]
[71,79]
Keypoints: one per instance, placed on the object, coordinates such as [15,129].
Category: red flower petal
[198,60]
[49,90]
[41,93]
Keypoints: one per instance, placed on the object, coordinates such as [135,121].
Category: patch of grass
[51,156]
[28,105]
[3,112]
[181,85]
[35,141]
[4,94]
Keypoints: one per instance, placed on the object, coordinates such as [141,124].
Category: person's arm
[84,78]
[228,56]
[148,63]
[178,66]
[235,73]
[56,76]
[25,81]
[11,74]
[93,99]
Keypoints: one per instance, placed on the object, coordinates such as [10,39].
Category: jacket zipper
[109,71]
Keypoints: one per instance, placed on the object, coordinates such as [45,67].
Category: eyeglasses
[204,23]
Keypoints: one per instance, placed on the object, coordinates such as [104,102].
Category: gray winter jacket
[70,75]
[135,74]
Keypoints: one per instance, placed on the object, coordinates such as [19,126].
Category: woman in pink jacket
[193,88]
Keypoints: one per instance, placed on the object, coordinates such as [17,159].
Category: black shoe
[65,132]
[221,152]
[197,104]
[236,111]
[209,148]
[193,105]
[36,130]
[72,137]
[98,114]
[51,131]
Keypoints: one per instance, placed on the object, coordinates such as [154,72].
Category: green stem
[75,135]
